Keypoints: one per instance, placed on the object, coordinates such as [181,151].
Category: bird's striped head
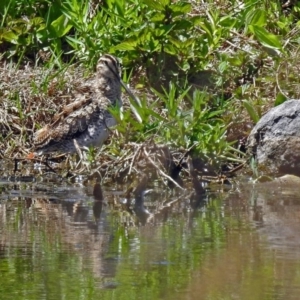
[109,66]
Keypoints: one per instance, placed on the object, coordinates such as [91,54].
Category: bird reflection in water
[98,201]
[198,198]
[141,212]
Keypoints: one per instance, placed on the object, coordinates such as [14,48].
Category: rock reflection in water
[277,215]
[262,255]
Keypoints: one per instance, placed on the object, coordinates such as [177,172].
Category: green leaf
[223,66]
[251,111]
[175,42]
[125,46]
[214,113]
[120,7]
[158,17]
[170,49]
[154,4]
[36,21]
[61,26]
[73,41]
[205,25]
[155,114]
[267,39]
[185,25]
[258,17]
[196,20]
[9,36]
[183,7]
[164,2]
[280,98]
[227,22]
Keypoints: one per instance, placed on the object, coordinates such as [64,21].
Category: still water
[61,240]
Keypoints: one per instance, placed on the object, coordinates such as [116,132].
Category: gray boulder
[275,139]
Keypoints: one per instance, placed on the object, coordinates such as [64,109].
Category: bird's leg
[47,164]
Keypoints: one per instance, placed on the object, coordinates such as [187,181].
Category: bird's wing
[68,124]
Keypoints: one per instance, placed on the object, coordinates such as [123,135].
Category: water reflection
[62,240]
[260,263]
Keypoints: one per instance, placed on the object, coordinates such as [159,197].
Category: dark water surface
[62,240]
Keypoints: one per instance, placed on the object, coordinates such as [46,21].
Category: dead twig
[134,158]
[161,171]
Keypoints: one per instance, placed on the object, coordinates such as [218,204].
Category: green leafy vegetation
[205,72]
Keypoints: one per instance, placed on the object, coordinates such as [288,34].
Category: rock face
[275,140]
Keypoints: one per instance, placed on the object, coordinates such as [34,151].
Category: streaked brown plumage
[87,120]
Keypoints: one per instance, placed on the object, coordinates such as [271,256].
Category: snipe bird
[85,122]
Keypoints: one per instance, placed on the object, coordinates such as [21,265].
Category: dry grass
[30,96]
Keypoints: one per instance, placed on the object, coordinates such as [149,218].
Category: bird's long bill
[135,98]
